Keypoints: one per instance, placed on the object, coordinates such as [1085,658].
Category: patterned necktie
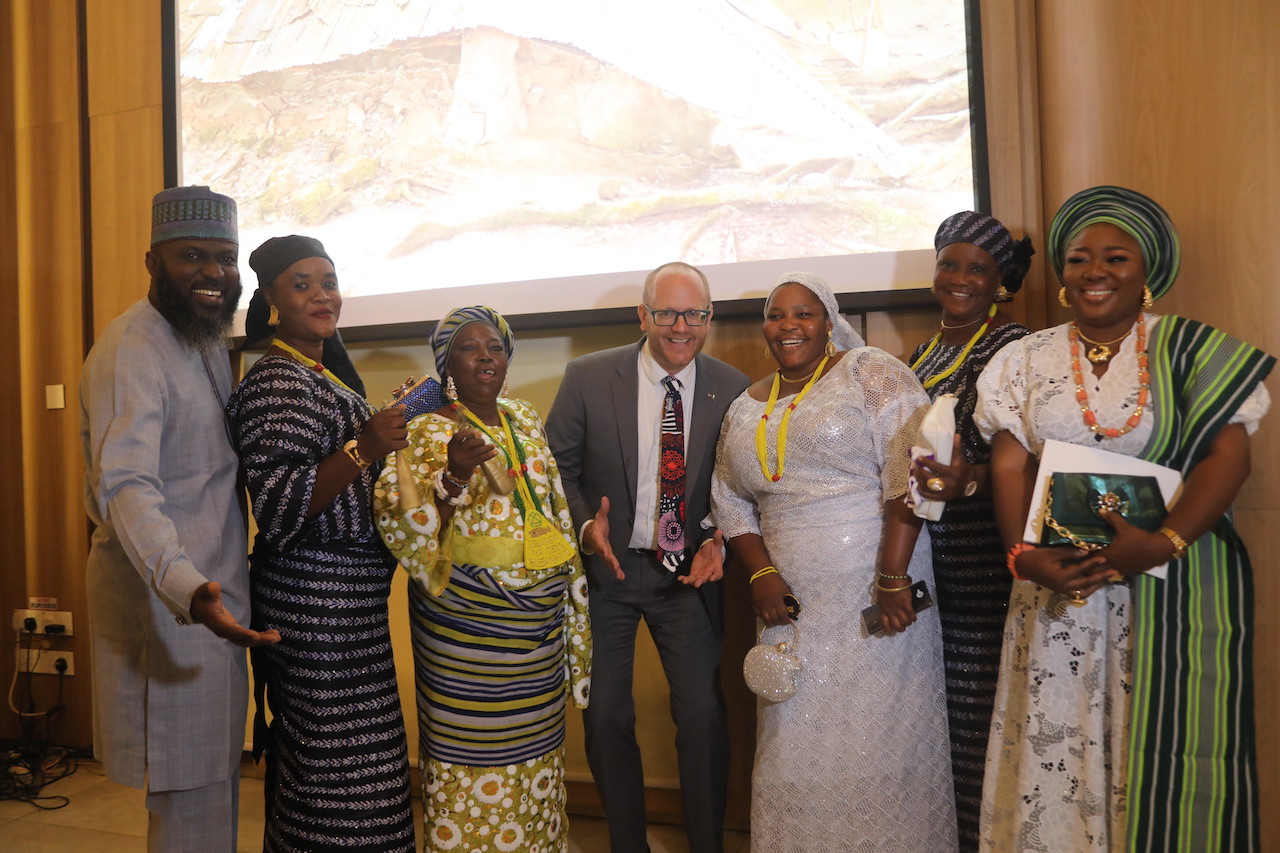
[671,477]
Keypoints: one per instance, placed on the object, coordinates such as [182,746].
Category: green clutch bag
[1071,511]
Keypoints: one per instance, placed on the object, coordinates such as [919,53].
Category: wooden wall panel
[1009,61]
[12,542]
[123,57]
[44,521]
[1181,100]
[45,72]
[50,349]
[127,153]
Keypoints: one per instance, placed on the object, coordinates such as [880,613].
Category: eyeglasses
[693,317]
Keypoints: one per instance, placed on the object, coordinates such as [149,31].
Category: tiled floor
[103,817]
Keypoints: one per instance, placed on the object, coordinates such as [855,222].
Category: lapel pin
[711,395]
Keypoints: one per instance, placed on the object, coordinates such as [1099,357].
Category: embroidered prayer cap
[841,332]
[193,213]
[450,324]
[1132,212]
[1013,257]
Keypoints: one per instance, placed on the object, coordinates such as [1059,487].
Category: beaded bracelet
[767,570]
[1012,559]
[895,577]
[449,478]
[443,493]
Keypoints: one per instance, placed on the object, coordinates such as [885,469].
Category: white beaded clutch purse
[770,668]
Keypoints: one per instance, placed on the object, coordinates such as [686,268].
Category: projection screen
[540,156]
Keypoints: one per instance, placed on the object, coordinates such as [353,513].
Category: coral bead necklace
[1082,396]
[762,448]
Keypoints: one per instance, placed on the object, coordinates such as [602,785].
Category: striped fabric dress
[499,649]
[1127,724]
[337,761]
[972,582]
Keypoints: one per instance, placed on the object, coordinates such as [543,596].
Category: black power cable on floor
[29,764]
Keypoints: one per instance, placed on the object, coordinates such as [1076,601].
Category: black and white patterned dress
[337,762]
[972,581]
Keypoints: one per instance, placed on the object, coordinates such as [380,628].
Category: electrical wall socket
[44,618]
[44,661]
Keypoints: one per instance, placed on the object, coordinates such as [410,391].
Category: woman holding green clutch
[1124,712]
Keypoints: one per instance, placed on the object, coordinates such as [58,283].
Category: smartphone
[920,599]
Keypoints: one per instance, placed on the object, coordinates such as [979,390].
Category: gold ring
[1076,600]
[935,484]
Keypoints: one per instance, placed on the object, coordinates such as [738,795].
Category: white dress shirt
[649,400]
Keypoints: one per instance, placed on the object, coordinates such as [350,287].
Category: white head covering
[841,332]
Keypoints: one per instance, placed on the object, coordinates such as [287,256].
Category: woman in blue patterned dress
[979,265]
[311,448]
[498,600]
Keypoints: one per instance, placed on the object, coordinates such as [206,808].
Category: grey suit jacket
[593,435]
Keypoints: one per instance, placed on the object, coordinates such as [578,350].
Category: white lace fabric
[859,758]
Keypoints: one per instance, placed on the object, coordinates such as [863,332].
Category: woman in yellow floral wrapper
[498,600]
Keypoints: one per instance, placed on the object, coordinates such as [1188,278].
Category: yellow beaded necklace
[955,365]
[306,361]
[762,449]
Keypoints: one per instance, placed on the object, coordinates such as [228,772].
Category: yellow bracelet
[352,449]
[767,570]
[891,588]
[1179,544]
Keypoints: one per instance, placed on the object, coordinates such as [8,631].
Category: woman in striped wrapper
[1124,711]
[476,514]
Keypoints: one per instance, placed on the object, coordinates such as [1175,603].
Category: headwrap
[269,260]
[989,234]
[841,332]
[194,213]
[1132,212]
[443,334]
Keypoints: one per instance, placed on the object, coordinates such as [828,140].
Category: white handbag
[770,668]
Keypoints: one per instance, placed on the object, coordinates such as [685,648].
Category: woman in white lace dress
[811,498]
[1124,711]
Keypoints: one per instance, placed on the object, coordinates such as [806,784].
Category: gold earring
[831,347]
[450,388]
[768,353]
[1147,299]
[1062,297]
[1002,294]
[273,318]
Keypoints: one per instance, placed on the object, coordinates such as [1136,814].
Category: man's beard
[198,330]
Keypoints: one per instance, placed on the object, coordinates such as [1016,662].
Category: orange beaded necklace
[1082,396]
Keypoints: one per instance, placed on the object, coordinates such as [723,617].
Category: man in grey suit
[169,551]
[605,430]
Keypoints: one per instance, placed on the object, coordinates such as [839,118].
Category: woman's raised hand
[384,432]
[954,478]
[468,449]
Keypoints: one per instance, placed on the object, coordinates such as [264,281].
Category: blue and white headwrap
[443,334]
